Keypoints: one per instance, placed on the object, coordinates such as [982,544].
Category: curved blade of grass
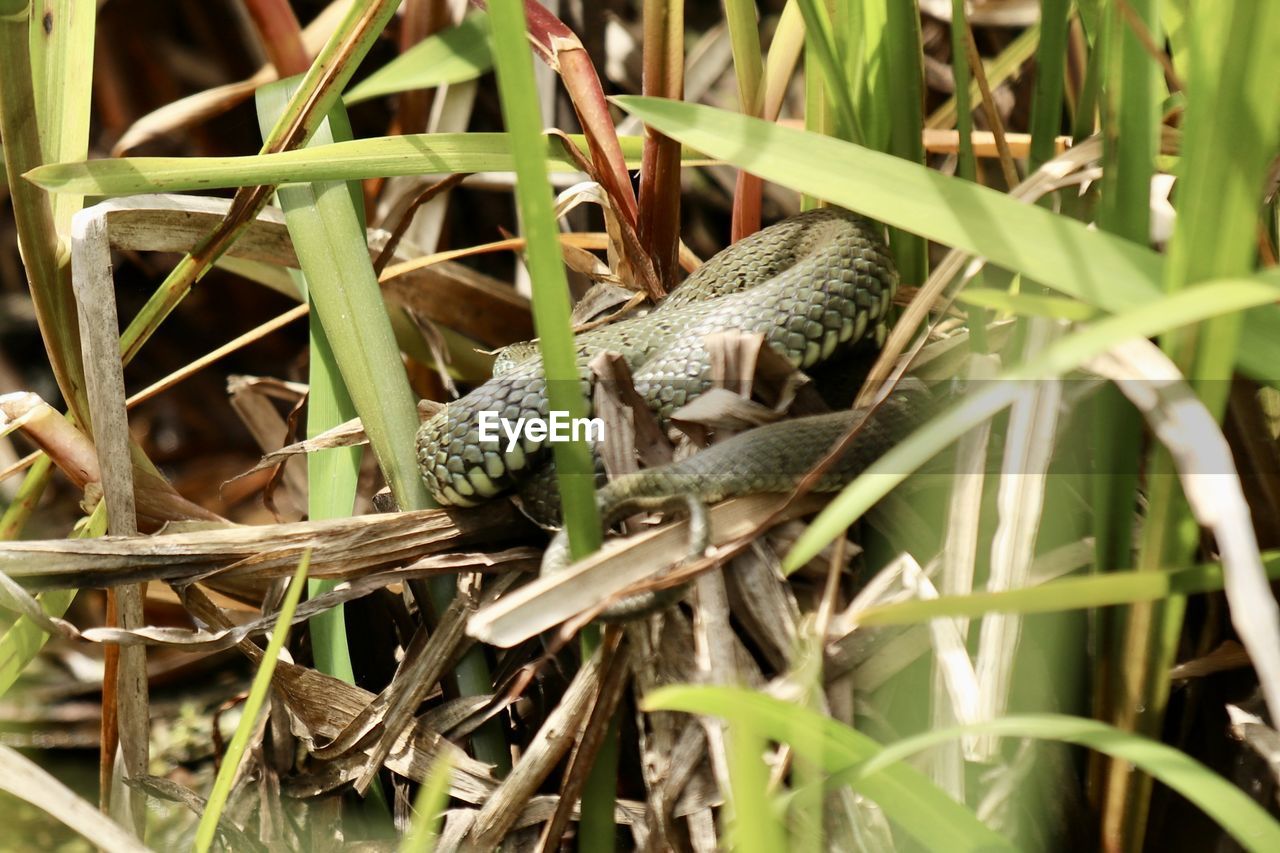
[1101,269]
[1067,354]
[249,715]
[1232,809]
[452,56]
[905,794]
[1077,593]
[387,156]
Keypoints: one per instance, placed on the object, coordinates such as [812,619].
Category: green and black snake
[811,285]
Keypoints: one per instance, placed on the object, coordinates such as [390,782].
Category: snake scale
[811,284]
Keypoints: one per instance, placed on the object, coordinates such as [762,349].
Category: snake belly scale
[810,284]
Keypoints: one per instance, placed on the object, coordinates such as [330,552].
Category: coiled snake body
[810,284]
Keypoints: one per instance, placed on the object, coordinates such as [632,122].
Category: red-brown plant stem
[559,47]
[280,34]
[109,733]
[422,18]
[747,194]
[663,77]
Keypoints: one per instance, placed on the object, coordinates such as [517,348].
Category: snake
[777,456]
[812,284]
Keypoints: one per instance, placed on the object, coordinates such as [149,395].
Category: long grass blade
[62,77]
[249,713]
[574,467]
[907,797]
[48,276]
[1097,268]
[1046,105]
[1077,593]
[381,157]
[1231,132]
[1067,354]
[1245,820]
[331,474]
[330,243]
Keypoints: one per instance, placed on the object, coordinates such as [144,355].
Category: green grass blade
[387,156]
[452,56]
[966,164]
[331,474]
[861,27]
[1245,820]
[748,63]
[428,808]
[1130,125]
[18,512]
[903,100]
[1098,268]
[330,243]
[329,238]
[1076,593]
[575,470]
[820,43]
[1066,354]
[1046,104]
[754,824]
[907,796]
[1131,139]
[249,715]
[62,74]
